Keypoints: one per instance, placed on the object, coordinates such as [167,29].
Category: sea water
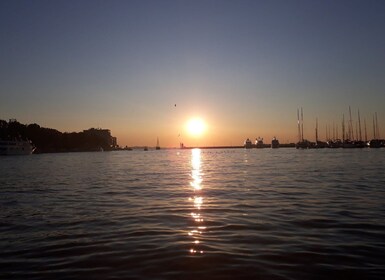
[194,214]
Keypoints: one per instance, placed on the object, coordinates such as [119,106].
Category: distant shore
[291,145]
[266,146]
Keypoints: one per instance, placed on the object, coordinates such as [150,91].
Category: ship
[259,143]
[274,143]
[248,144]
[16,147]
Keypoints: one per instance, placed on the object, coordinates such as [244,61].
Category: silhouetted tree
[52,140]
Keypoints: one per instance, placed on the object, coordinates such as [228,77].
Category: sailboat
[318,144]
[375,142]
[157,144]
[302,143]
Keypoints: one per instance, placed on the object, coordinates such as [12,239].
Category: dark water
[194,214]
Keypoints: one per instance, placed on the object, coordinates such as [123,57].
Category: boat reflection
[197,200]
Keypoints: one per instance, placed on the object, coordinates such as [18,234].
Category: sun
[196,127]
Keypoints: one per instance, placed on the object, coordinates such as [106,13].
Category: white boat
[248,144]
[274,143]
[16,147]
[259,143]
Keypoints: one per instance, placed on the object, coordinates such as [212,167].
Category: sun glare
[196,127]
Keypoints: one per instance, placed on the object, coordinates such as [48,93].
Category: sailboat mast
[301,124]
[330,135]
[366,133]
[316,130]
[359,124]
[378,130]
[374,129]
[343,127]
[351,131]
[299,128]
[337,131]
[326,130]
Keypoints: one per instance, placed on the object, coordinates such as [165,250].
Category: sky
[143,69]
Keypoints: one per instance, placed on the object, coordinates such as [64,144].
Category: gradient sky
[243,66]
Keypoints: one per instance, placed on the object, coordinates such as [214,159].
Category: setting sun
[196,127]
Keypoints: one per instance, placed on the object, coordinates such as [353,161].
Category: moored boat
[337,143]
[248,144]
[157,144]
[274,143]
[348,144]
[16,147]
[259,142]
[304,144]
[374,143]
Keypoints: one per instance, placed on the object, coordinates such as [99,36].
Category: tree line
[48,140]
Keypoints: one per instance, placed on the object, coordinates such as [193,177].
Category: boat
[157,144]
[248,144]
[318,144]
[374,143]
[274,143]
[302,143]
[259,143]
[16,147]
[145,148]
[333,144]
[359,144]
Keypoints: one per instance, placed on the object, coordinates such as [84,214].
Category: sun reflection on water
[197,200]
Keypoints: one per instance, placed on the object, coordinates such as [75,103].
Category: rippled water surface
[194,214]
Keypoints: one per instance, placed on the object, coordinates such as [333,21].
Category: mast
[366,134]
[326,130]
[378,130]
[299,128]
[359,124]
[337,131]
[330,134]
[316,130]
[157,143]
[343,127]
[351,131]
[374,129]
[302,124]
